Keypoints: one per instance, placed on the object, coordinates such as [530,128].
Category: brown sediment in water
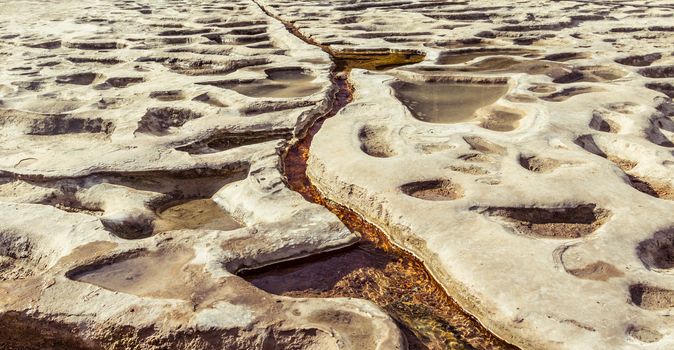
[374,59]
[374,269]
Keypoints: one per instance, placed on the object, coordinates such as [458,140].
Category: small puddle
[466,55]
[560,72]
[281,82]
[275,88]
[446,102]
[202,214]
[159,274]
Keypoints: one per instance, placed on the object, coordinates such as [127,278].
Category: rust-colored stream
[373,269]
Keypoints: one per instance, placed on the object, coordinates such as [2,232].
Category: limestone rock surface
[540,197]
[140,174]
[527,160]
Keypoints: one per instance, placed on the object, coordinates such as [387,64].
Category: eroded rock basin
[466,55]
[287,82]
[160,274]
[446,102]
[194,214]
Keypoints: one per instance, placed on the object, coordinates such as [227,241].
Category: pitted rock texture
[139,174]
[536,185]
[560,237]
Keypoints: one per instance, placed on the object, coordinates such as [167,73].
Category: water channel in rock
[373,269]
